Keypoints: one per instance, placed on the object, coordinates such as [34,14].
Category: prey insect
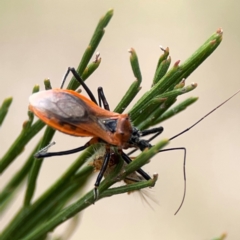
[96,160]
[132,180]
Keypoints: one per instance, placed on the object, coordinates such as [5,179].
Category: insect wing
[61,110]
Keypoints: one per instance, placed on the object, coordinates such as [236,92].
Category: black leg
[128,160]
[64,78]
[43,154]
[102,99]
[145,143]
[79,79]
[146,132]
[101,173]
[156,134]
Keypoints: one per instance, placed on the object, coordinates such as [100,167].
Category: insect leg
[128,160]
[145,143]
[43,154]
[101,173]
[79,79]
[64,78]
[102,99]
[157,130]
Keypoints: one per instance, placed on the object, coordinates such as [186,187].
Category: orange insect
[74,114]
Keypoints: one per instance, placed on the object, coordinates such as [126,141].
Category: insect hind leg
[80,80]
[43,154]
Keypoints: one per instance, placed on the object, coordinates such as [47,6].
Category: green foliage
[48,211]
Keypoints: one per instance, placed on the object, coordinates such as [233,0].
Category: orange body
[74,114]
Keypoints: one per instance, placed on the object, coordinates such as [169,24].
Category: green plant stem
[89,197]
[175,110]
[177,73]
[129,188]
[143,158]
[91,68]
[162,58]
[171,98]
[29,213]
[48,211]
[35,220]
[162,66]
[19,144]
[149,109]
[73,209]
[135,86]
[84,70]
[222,237]
[31,186]
[94,42]
[4,109]
[12,186]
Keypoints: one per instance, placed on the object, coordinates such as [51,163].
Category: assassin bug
[74,114]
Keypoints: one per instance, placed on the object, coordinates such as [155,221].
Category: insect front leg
[102,99]
[128,160]
[157,132]
[80,80]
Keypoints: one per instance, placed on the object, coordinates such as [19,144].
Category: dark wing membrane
[62,106]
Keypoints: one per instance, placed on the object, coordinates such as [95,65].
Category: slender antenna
[182,148]
[204,116]
[185,151]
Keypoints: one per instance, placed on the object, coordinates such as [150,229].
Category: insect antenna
[183,148]
[213,110]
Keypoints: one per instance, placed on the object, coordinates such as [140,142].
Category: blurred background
[40,39]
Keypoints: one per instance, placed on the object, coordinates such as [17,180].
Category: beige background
[40,39]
